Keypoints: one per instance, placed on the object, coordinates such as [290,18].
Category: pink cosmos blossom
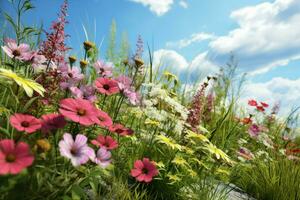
[20,52]
[70,76]
[23,122]
[144,170]
[105,142]
[107,86]
[265,105]
[120,130]
[51,122]
[252,102]
[254,130]
[103,69]
[77,151]
[125,86]
[36,60]
[14,157]
[103,157]
[84,92]
[245,153]
[104,119]
[79,110]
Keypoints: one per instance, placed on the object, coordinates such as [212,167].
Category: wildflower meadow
[112,125]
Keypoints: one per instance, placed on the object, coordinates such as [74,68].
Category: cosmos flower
[79,110]
[13,50]
[36,60]
[14,157]
[105,120]
[70,76]
[52,121]
[103,157]
[120,130]
[144,170]
[23,122]
[103,69]
[107,86]
[77,151]
[106,142]
[254,130]
[84,92]
[252,102]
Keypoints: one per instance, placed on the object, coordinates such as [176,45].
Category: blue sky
[198,36]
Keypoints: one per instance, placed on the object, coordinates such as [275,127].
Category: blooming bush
[115,129]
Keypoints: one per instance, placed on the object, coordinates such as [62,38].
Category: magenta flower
[254,130]
[245,153]
[79,110]
[120,130]
[52,122]
[124,82]
[26,123]
[13,50]
[14,157]
[84,92]
[144,170]
[105,142]
[103,157]
[103,69]
[107,86]
[77,151]
[105,120]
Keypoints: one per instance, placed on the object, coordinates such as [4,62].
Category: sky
[197,37]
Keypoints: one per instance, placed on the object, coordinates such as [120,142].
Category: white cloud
[194,38]
[183,4]
[279,89]
[159,7]
[171,60]
[268,35]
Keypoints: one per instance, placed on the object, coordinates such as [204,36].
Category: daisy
[23,122]
[14,157]
[105,142]
[107,86]
[77,151]
[79,110]
[144,170]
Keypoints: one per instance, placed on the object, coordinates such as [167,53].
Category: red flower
[107,86]
[106,142]
[104,118]
[265,105]
[260,108]
[252,103]
[144,171]
[79,110]
[247,120]
[120,129]
[26,123]
[14,158]
[51,122]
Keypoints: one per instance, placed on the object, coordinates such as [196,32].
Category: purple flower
[84,92]
[13,50]
[103,157]
[103,69]
[77,151]
[70,76]
[254,130]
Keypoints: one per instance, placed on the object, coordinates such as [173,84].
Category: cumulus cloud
[159,7]
[267,36]
[196,69]
[194,38]
[278,89]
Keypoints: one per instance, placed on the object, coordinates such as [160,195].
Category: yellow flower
[192,173]
[169,142]
[217,152]
[43,144]
[170,76]
[27,84]
[173,178]
[152,122]
[178,160]
[160,164]
[191,134]
[188,150]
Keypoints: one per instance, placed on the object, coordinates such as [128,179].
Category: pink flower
[84,92]
[106,142]
[125,86]
[13,50]
[124,82]
[70,76]
[103,69]
[133,97]
[107,86]
[252,102]
[144,171]
[51,122]
[265,105]
[260,108]
[103,157]
[14,157]
[36,59]
[104,119]
[120,129]
[26,123]
[245,153]
[77,151]
[79,110]
[254,130]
